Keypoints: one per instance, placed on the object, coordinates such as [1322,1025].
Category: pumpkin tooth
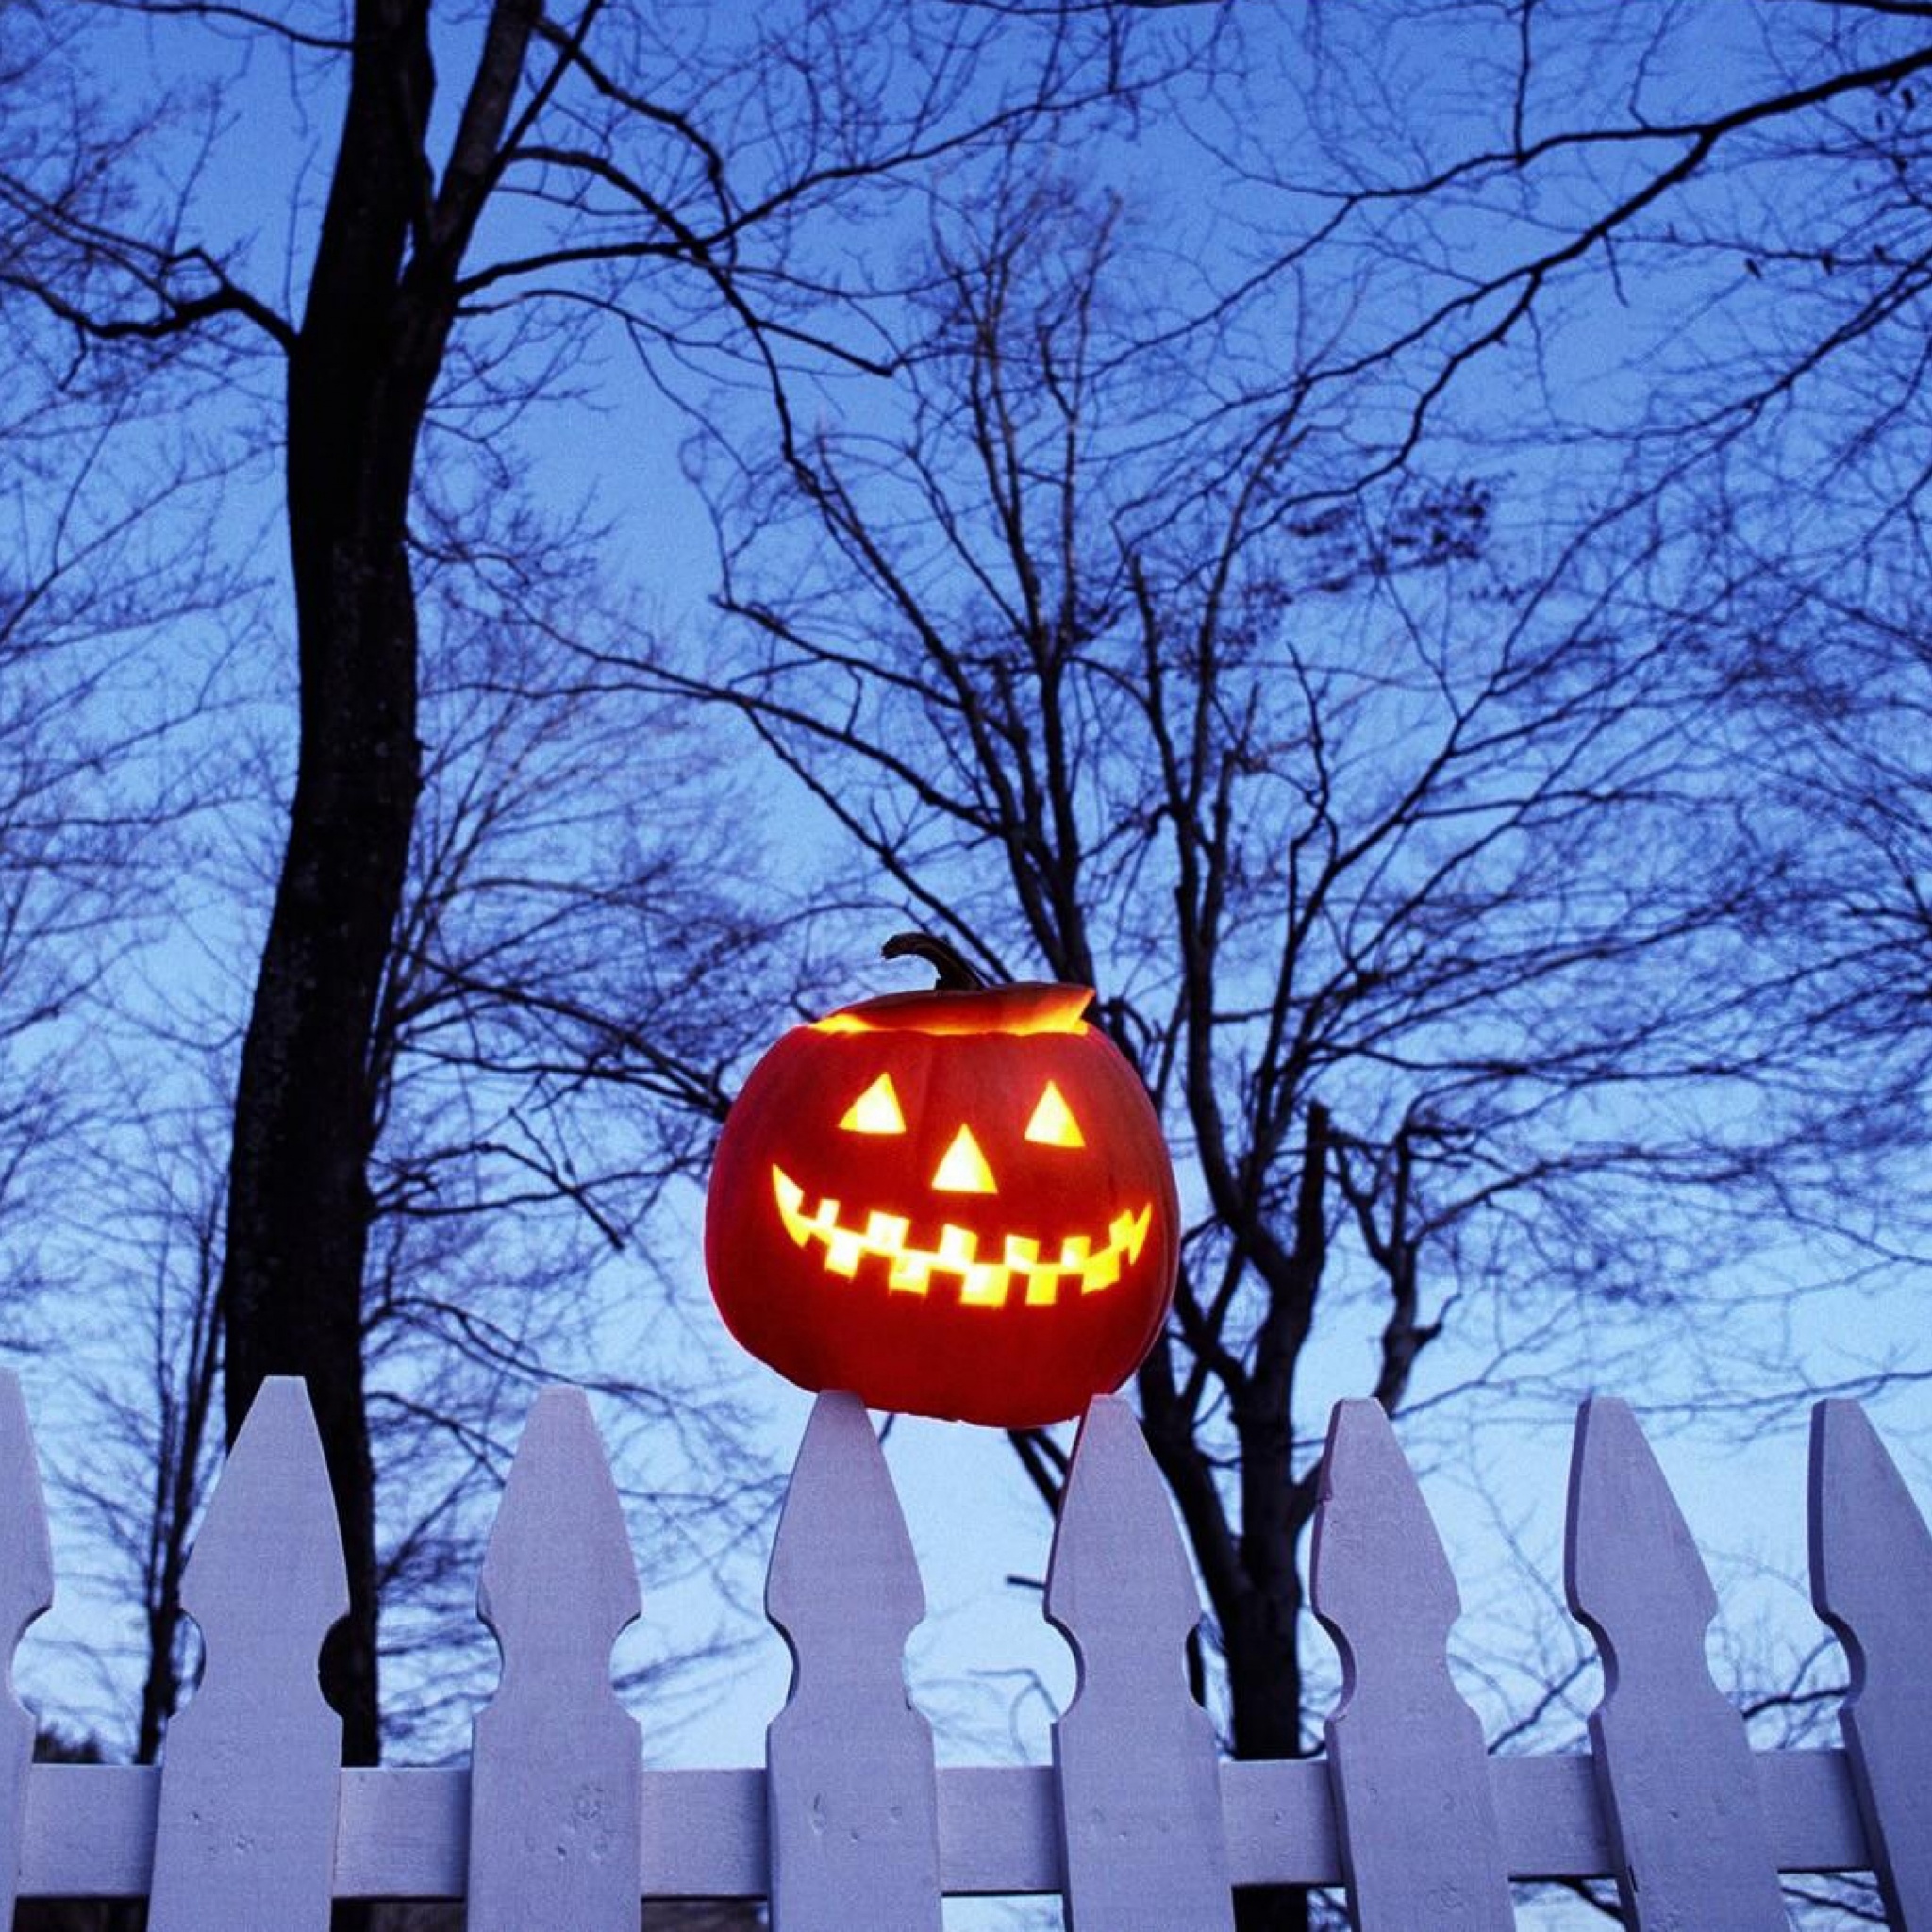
[1042,1281]
[845,1249]
[885,1234]
[911,1272]
[986,1285]
[1100,1270]
[958,1246]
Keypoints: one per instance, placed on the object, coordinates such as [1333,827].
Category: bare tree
[1677,259]
[557,966]
[578,178]
[564,992]
[105,556]
[1579,225]
[142,1467]
[1413,868]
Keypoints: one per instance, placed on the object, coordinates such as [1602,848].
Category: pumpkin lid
[1031,1006]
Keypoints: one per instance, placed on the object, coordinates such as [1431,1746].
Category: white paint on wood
[90,1830]
[1673,1768]
[556,1761]
[704,1834]
[246,1836]
[1279,1817]
[26,1589]
[1140,1788]
[1420,1845]
[852,1799]
[999,1823]
[1872,1582]
[402,1831]
[240,1779]
[1553,1826]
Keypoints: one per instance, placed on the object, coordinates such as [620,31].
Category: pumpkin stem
[956,973]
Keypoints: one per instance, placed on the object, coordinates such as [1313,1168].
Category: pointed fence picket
[1674,1767]
[852,1800]
[556,1764]
[1871,1581]
[1139,1791]
[1137,1823]
[246,1837]
[26,1589]
[1420,1841]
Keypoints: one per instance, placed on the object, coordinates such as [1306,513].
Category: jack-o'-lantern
[954,1201]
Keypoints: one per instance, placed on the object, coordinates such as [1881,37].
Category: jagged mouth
[1082,1262]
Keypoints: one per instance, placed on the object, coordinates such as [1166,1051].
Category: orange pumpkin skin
[855,1241]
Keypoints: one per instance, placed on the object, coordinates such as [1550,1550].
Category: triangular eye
[876,1110]
[1053,1124]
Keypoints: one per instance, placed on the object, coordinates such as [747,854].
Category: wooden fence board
[854,1804]
[26,1589]
[1872,1582]
[1674,1767]
[999,1829]
[251,1824]
[246,1830]
[90,1830]
[1279,1818]
[706,1834]
[403,1830]
[1420,1845]
[555,1762]
[1139,1789]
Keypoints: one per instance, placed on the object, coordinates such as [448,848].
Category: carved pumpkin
[955,1203]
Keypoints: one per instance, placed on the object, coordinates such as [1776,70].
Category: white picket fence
[1137,1824]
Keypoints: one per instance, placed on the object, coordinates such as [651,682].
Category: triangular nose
[964,1170]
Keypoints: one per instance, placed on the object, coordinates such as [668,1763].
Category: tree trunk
[299,1198]
[1265,1698]
[359,375]
[299,1203]
[1262,1619]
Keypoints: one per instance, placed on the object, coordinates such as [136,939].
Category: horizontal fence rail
[1137,1823]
